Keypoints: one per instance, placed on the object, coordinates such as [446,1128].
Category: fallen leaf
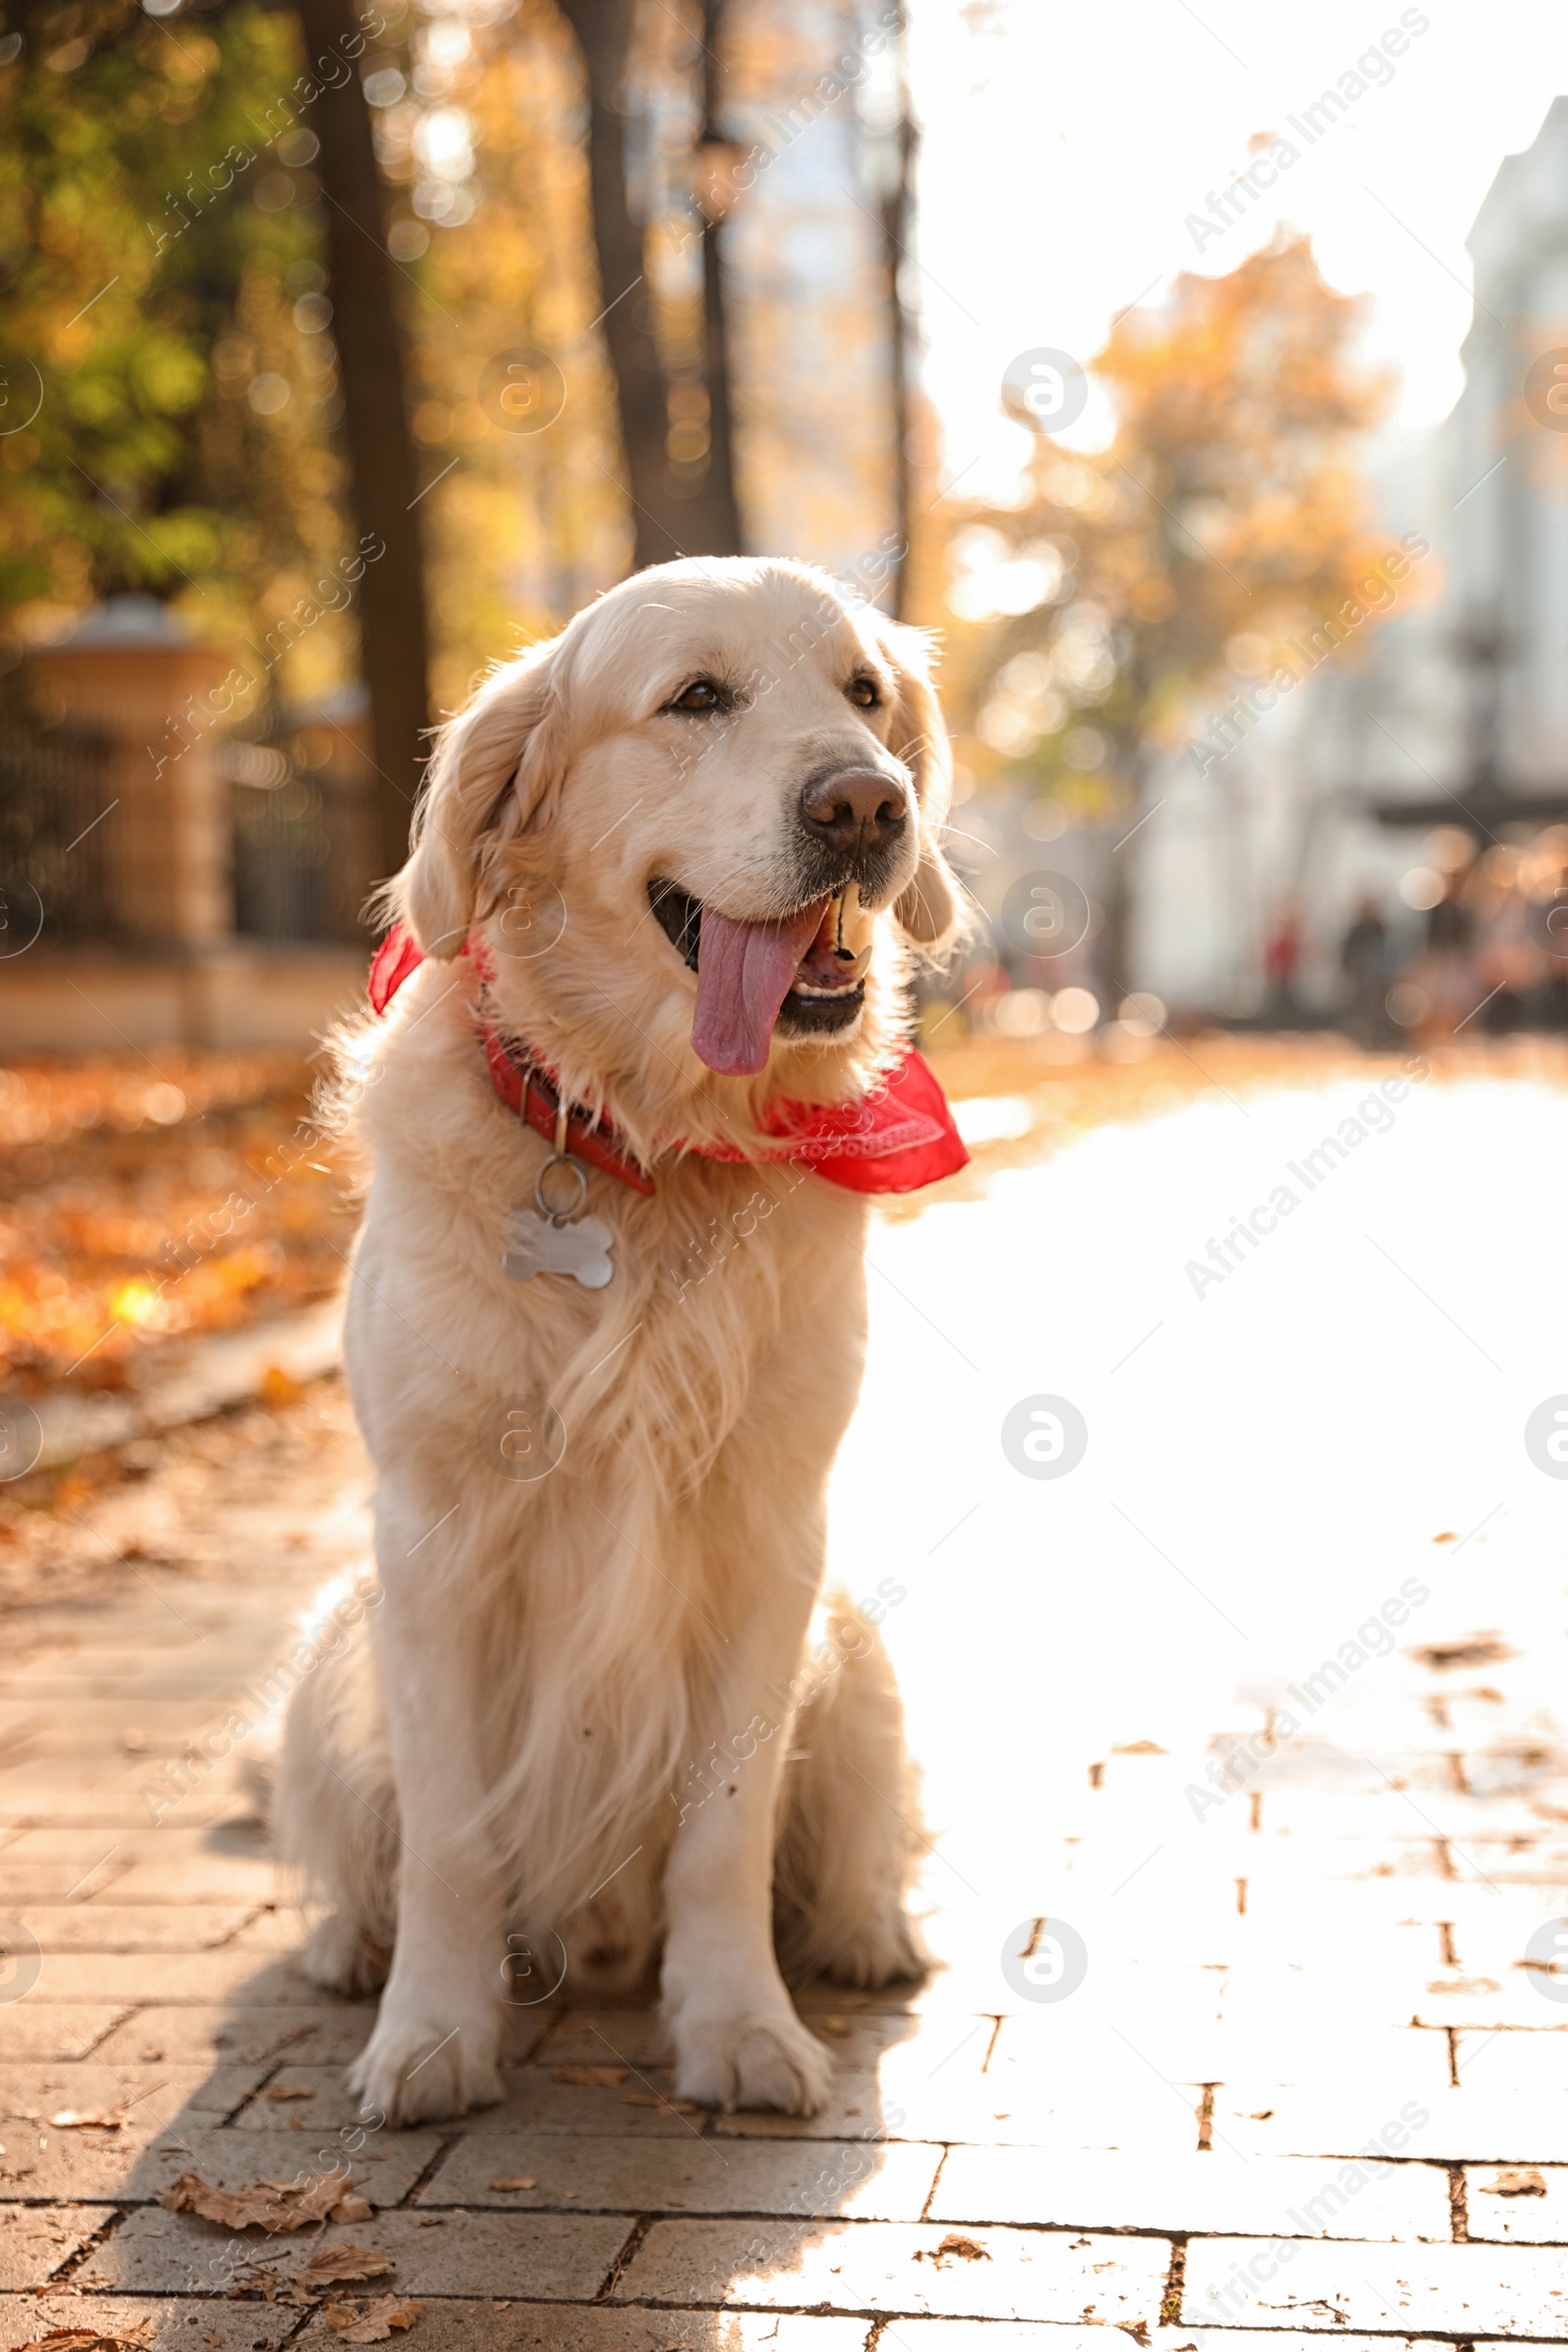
[273,2205]
[1480,1650]
[952,2248]
[1516,2180]
[290,2090]
[79,2119]
[374,2323]
[517,2180]
[92,2339]
[600,2078]
[653,2098]
[330,2262]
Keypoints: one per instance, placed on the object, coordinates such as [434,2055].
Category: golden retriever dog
[669,872]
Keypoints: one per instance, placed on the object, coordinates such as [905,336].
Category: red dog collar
[896,1138]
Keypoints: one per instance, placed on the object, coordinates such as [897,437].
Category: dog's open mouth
[755,977]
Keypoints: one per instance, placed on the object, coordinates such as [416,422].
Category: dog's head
[695,830]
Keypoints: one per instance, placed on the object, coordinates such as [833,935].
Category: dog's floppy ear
[492,774]
[931,909]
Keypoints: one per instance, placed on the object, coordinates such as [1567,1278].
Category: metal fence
[304,845]
[56,843]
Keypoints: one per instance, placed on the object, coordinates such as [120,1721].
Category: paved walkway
[1311,2084]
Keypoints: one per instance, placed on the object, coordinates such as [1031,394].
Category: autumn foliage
[1225,513]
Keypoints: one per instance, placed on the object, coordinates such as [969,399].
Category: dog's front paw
[764,2059]
[418,2067]
[884,1949]
[341,1958]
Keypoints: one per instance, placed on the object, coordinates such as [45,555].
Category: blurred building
[1451,716]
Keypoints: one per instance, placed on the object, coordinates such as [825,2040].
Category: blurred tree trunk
[716,517]
[604,33]
[897,213]
[664,525]
[392,627]
[1113,957]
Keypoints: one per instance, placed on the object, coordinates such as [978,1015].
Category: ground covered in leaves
[142,1202]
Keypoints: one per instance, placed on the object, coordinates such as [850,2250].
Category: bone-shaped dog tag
[580,1249]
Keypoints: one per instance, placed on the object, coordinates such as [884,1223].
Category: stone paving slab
[1458,2290]
[36,2240]
[274,1926]
[177,2326]
[549,2256]
[532,2101]
[980,2335]
[176,1864]
[44,2029]
[195,1980]
[1209,2193]
[886,2267]
[887,2183]
[383,2166]
[1404,2060]
[149,2099]
[1127,2115]
[1523,2204]
[1437,2126]
[330,2033]
[108,1794]
[120,1928]
[555,2328]
[1529,2061]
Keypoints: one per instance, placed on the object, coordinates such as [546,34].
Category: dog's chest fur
[720,1278]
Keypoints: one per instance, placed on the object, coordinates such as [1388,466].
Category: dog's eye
[865,693]
[702,694]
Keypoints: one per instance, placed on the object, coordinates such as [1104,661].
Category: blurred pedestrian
[1366,961]
[1448,967]
[1282,957]
[1510,968]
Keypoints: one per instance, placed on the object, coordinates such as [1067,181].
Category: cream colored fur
[585,1704]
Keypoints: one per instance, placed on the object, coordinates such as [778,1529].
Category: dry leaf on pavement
[1516,2180]
[330,2262]
[92,2339]
[953,2249]
[274,2205]
[375,2322]
[516,2180]
[601,2077]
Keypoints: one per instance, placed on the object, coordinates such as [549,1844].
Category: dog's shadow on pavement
[204,2157]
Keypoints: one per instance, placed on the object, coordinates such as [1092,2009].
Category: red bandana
[899,1137]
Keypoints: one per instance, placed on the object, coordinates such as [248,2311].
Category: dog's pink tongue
[744,972]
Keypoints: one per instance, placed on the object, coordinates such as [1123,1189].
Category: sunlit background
[1197,376]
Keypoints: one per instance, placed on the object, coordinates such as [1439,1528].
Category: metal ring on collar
[562,1216]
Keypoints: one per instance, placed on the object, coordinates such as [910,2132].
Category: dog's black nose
[855,810]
